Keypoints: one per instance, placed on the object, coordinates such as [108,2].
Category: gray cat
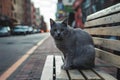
[77,45]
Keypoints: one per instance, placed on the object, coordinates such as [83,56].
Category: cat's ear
[65,21]
[52,22]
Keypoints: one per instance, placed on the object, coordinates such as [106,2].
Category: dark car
[20,30]
[4,31]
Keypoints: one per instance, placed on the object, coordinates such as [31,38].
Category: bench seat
[52,71]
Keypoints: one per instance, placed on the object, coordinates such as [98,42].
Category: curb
[14,67]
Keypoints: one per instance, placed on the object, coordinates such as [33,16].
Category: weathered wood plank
[109,10]
[60,74]
[104,75]
[90,75]
[108,57]
[75,75]
[105,20]
[47,73]
[100,63]
[113,31]
[107,43]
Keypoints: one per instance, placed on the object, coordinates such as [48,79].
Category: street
[14,47]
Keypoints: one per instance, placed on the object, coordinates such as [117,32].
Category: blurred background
[36,13]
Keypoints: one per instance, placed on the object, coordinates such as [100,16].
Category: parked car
[4,31]
[34,30]
[30,30]
[20,30]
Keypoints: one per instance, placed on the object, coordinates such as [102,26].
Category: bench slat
[104,75]
[105,20]
[76,75]
[47,73]
[90,75]
[108,57]
[60,74]
[113,31]
[109,10]
[107,43]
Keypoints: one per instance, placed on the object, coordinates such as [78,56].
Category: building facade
[60,10]
[37,11]
[6,8]
[33,15]
[7,16]
[27,13]
[19,11]
[68,2]
[16,12]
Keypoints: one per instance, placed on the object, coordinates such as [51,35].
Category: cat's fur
[77,45]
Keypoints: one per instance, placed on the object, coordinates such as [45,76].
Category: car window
[18,27]
[3,28]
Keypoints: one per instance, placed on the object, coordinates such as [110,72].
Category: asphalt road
[13,47]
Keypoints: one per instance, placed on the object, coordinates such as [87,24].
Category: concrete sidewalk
[32,68]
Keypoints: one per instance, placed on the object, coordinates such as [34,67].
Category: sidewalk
[32,68]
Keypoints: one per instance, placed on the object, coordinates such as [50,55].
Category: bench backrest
[104,26]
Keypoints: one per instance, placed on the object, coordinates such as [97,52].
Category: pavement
[32,68]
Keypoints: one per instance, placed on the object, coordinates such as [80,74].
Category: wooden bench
[104,26]
[52,71]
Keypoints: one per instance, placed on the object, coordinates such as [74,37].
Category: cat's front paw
[64,67]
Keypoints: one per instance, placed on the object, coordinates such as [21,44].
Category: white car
[4,31]
[20,30]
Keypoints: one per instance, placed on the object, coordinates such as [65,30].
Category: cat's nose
[58,34]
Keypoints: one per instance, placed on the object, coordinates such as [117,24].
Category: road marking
[10,70]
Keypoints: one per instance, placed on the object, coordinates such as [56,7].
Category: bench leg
[118,73]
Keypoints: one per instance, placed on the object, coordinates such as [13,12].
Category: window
[70,1]
[15,15]
[0,9]
[15,1]
[0,6]
[12,7]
